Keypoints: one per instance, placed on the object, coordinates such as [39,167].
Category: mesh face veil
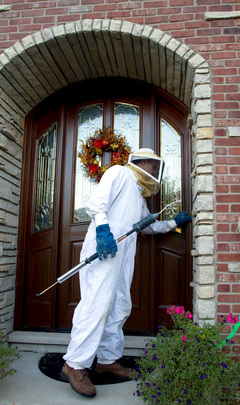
[148,168]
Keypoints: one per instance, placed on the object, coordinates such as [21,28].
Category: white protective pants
[104,307]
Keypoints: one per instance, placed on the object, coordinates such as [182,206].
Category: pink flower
[184,338]
[237,318]
[229,317]
[190,316]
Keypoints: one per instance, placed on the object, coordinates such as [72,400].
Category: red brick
[236,309]
[222,208]
[43,20]
[227,179]
[222,267]
[223,309]
[218,97]
[236,288]
[227,141]
[226,105]
[32,13]
[234,151]
[228,297]
[221,151]
[227,123]
[223,247]
[223,55]
[228,257]
[234,114]
[169,10]
[235,189]
[220,114]
[235,170]
[56,11]
[222,228]
[20,21]
[149,4]
[30,27]
[223,38]
[228,237]
[225,88]
[221,169]
[223,288]
[181,2]
[104,7]
[228,160]
[233,96]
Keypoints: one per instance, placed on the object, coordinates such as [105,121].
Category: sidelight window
[171,189]
[45,177]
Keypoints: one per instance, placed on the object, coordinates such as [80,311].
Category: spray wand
[138,227]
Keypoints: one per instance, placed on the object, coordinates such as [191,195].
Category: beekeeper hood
[148,169]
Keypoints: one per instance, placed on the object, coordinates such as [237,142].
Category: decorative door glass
[90,119]
[172,176]
[126,122]
[45,176]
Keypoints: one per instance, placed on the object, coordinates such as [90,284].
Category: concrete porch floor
[29,386]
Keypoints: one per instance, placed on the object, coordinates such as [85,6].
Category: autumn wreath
[91,152]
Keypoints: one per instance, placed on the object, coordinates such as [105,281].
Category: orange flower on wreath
[103,140]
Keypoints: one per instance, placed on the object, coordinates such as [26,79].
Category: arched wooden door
[54,191]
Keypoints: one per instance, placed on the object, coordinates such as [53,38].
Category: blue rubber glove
[106,244]
[182,218]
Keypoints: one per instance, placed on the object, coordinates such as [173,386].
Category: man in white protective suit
[117,203]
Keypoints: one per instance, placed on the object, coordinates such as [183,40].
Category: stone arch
[46,61]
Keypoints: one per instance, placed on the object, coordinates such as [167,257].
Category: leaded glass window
[90,119]
[172,176]
[45,177]
[126,122]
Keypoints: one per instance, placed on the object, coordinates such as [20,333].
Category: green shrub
[187,364]
[7,356]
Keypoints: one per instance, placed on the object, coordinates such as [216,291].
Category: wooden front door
[54,191]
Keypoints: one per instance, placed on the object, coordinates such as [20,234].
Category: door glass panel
[44,192]
[172,176]
[90,119]
[126,122]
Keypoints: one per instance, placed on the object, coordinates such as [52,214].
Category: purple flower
[189,401]
[169,381]
[153,346]
[204,364]
[163,366]
[153,396]
[201,377]
[147,384]
[223,365]
[185,391]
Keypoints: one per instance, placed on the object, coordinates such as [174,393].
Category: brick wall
[212,29]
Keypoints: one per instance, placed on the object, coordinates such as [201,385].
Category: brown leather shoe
[79,381]
[115,368]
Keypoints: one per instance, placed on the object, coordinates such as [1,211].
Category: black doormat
[51,364]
